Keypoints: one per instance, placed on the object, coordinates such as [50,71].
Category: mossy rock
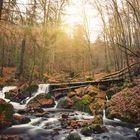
[98,120]
[81,105]
[75,99]
[6,114]
[73,136]
[86,99]
[93,129]
[65,103]
[9,95]
[41,100]
[41,96]
[86,131]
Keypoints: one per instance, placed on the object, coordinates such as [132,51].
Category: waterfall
[15,104]
[104,114]
[6,89]
[42,88]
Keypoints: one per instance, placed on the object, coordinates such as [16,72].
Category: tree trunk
[2,58]
[19,71]
[1,6]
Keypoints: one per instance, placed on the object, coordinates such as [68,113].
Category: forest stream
[51,125]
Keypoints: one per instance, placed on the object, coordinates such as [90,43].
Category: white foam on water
[15,104]
[18,106]
[6,89]
[43,88]
[50,120]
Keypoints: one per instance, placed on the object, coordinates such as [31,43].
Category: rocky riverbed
[78,116]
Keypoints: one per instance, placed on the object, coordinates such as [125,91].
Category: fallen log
[74,85]
[119,73]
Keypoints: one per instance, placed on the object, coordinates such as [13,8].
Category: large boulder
[41,100]
[88,99]
[6,114]
[125,105]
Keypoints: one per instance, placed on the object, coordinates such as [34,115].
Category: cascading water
[6,89]
[42,88]
[40,127]
[15,104]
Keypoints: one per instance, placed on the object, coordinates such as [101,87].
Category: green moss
[80,106]
[86,99]
[63,103]
[89,78]
[98,119]
[75,99]
[92,129]
[73,136]
[9,95]
[137,102]
[8,111]
[86,131]
[129,84]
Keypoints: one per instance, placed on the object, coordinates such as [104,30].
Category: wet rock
[19,119]
[41,100]
[11,137]
[6,114]
[93,129]
[138,131]
[65,103]
[82,104]
[73,136]
[43,114]
[30,111]
[74,123]
[65,116]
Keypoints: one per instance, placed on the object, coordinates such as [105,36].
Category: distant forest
[34,45]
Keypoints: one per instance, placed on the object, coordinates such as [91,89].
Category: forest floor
[8,77]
